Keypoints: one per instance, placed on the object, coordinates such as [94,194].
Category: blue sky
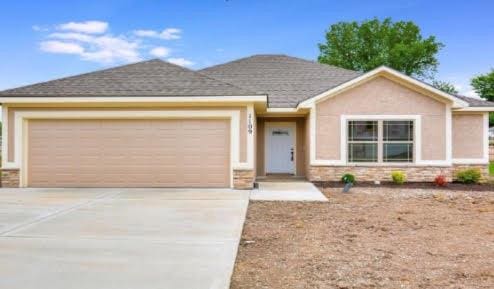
[42,40]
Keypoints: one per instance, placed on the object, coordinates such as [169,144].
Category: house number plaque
[250,127]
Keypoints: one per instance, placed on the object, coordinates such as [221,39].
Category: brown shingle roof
[148,78]
[476,102]
[287,80]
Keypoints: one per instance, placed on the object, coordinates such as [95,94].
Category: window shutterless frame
[395,141]
[362,141]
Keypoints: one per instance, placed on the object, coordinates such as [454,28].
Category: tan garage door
[128,153]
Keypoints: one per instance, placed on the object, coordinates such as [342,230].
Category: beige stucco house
[155,124]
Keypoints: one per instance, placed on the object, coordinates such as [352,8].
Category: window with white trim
[362,141]
[380,141]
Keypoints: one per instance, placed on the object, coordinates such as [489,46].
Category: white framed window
[397,141]
[380,141]
[362,141]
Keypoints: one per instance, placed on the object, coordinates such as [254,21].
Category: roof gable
[148,78]
[393,75]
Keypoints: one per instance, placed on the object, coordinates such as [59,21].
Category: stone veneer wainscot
[10,178]
[383,173]
[243,179]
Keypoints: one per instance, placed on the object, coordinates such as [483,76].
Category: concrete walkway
[119,238]
[287,191]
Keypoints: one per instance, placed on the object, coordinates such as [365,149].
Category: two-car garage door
[129,153]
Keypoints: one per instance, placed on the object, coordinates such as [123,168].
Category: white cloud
[38,28]
[146,33]
[109,49]
[160,51]
[180,61]
[91,42]
[469,93]
[104,48]
[61,47]
[171,33]
[90,27]
[167,34]
[466,90]
[73,36]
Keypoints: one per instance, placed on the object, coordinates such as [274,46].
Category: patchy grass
[370,238]
[491,168]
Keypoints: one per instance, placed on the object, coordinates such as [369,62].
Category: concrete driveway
[119,238]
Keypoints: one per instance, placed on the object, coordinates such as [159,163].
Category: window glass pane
[362,130]
[398,152]
[398,130]
[362,152]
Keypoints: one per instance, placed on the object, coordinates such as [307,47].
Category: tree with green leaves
[445,86]
[484,85]
[366,45]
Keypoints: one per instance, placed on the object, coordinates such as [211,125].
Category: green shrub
[348,178]
[398,177]
[469,176]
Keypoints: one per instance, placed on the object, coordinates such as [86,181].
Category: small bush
[398,177]
[348,178]
[440,181]
[469,176]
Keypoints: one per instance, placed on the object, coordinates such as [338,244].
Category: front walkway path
[287,191]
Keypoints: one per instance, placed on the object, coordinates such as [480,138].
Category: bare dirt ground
[370,238]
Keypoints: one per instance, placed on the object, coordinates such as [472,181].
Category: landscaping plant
[440,181]
[469,176]
[398,177]
[348,178]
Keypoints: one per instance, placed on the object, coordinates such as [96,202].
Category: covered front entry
[276,138]
[280,147]
[128,153]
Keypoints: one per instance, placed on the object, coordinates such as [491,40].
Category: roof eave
[133,99]
[476,109]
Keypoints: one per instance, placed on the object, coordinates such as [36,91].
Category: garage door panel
[129,153]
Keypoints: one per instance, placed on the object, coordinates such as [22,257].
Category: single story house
[155,124]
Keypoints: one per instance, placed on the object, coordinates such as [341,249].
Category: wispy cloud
[91,41]
[101,48]
[180,61]
[61,47]
[90,27]
[166,34]
[466,90]
[160,51]
[39,28]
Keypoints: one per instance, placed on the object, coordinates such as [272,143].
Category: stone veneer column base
[243,179]
[10,178]
[382,173]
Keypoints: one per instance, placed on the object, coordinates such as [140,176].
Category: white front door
[280,147]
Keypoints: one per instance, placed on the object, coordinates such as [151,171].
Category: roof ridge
[110,69]
[323,64]
[83,74]
[283,55]
[206,76]
[226,63]
[226,82]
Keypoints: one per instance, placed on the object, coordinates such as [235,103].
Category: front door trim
[270,124]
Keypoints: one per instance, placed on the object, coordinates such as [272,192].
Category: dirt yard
[371,238]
